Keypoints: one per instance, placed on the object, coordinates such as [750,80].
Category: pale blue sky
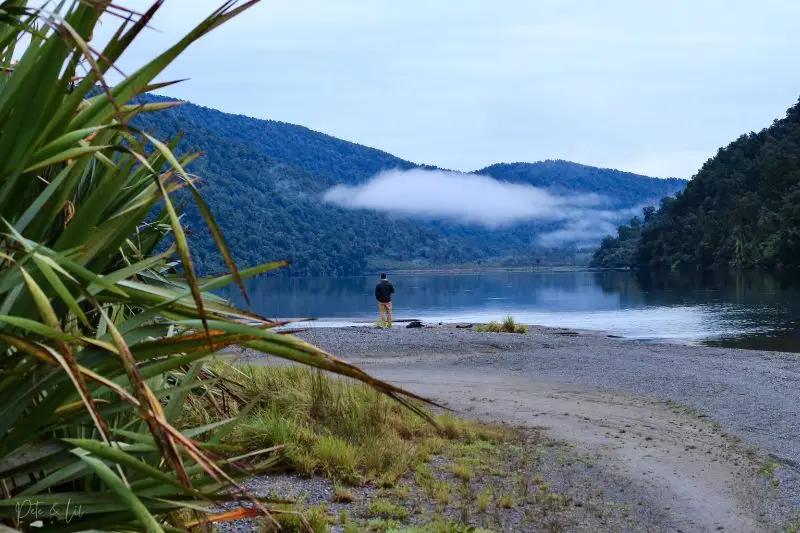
[644,86]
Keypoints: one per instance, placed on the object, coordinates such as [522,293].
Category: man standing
[383,293]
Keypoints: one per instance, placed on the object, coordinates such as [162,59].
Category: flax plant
[103,331]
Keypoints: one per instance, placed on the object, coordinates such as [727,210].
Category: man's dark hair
[383,276]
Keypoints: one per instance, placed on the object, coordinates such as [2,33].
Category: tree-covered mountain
[264,181]
[623,189]
[742,209]
[316,153]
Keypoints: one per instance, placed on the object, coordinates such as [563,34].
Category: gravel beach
[530,378]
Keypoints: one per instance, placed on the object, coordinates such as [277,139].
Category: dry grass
[343,495]
[461,471]
[382,508]
[508,325]
[336,428]
[484,499]
[506,501]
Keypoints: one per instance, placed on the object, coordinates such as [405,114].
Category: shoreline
[311,324]
[487,270]
[558,377]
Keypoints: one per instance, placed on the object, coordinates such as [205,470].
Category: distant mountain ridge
[624,189]
[264,181]
[302,147]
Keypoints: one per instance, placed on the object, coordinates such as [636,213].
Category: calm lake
[745,310]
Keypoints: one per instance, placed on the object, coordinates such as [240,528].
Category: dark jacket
[384,291]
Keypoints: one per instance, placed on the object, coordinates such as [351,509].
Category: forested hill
[742,209]
[264,181]
[314,152]
[622,188]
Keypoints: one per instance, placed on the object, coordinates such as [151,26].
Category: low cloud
[581,232]
[476,199]
[466,198]
[589,226]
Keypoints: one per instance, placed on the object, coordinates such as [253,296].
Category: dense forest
[624,189]
[741,210]
[264,181]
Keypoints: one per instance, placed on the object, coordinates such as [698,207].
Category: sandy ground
[694,474]
[607,396]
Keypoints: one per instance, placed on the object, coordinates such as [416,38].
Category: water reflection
[751,309]
[748,310]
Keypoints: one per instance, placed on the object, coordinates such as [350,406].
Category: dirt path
[624,401]
[699,477]
[753,395]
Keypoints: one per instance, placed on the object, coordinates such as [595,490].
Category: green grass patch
[291,521]
[461,471]
[440,525]
[382,508]
[343,495]
[332,427]
[336,428]
[506,501]
[508,325]
[484,499]
[768,471]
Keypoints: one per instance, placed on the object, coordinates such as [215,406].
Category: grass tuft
[508,325]
[461,471]
[440,525]
[484,499]
[343,495]
[335,457]
[383,508]
[290,522]
[506,501]
[337,428]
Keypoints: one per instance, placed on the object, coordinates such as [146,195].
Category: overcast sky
[645,86]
